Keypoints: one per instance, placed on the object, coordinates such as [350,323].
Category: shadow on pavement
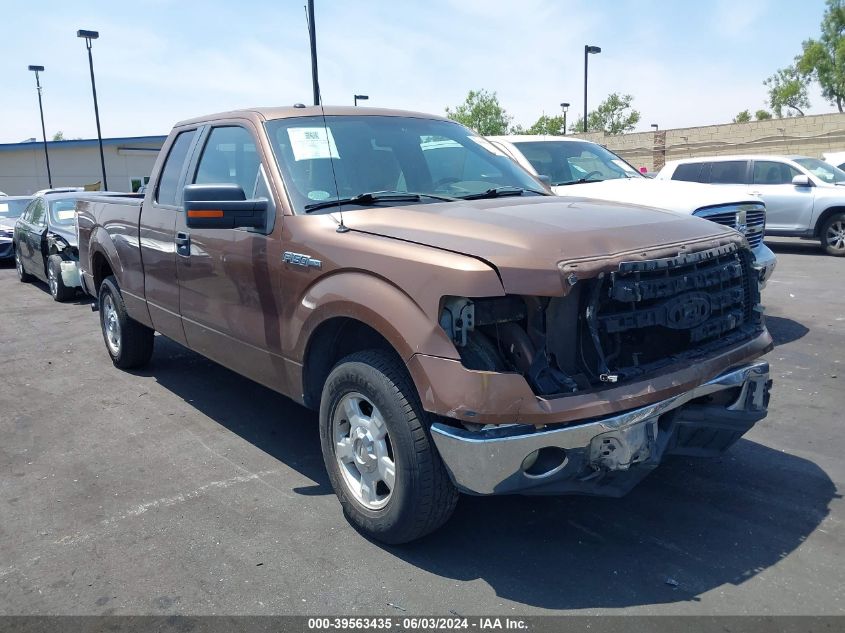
[785,330]
[689,528]
[797,246]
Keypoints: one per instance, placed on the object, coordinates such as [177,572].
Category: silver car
[804,197]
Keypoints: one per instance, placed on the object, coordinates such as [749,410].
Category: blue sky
[158,61]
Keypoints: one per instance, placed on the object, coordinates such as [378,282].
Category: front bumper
[764,264]
[606,456]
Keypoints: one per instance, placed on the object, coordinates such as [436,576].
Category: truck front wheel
[378,450]
[129,343]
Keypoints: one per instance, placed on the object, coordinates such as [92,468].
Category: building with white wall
[129,161]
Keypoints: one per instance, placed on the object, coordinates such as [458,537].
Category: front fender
[371,300]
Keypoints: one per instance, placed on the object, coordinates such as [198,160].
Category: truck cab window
[168,185]
[229,156]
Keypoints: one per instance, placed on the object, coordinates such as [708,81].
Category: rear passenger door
[157,231]
[733,173]
[788,208]
[36,233]
[229,278]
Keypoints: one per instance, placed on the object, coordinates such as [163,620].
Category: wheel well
[100,268]
[333,340]
[823,218]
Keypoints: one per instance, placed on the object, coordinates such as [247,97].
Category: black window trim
[180,184]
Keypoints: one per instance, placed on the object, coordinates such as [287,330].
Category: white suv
[576,167]
[805,197]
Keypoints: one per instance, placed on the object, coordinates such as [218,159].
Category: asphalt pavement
[187,489]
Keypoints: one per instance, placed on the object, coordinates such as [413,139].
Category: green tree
[762,115]
[613,116]
[59,136]
[788,89]
[544,125]
[743,117]
[824,59]
[482,112]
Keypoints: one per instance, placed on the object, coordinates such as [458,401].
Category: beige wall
[808,135]
[23,170]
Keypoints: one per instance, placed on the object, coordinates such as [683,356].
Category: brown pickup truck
[459,329]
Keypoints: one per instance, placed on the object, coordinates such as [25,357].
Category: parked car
[576,167]
[457,327]
[45,245]
[11,208]
[804,196]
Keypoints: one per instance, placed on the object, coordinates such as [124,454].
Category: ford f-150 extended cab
[458,329]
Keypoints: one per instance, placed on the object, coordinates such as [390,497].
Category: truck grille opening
[649,314]
[748,219]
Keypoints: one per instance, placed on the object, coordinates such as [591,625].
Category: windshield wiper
[374,197]
[580,181]
[498,192]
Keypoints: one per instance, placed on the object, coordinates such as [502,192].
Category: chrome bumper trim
[625,446]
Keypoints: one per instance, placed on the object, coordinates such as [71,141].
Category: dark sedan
[11,208]
[45,244]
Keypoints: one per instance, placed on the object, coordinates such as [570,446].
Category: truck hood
[674,195]
[531,241]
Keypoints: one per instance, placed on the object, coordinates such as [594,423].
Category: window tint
[37,213]
[772,173]
[168,182]
[728,172]
[229,156]
[690,172]
[565,162]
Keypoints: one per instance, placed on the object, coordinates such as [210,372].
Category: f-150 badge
[299,259]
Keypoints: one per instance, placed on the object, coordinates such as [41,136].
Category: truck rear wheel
[378,450]
[58,290]
[129,343]
[833,235]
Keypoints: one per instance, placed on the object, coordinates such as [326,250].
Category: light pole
[36,70]
[588,50]
[565,108]
[655,126]
[88,36]
[360,98]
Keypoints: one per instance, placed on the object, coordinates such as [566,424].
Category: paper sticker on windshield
[4,208]
[309,143]
[65,214]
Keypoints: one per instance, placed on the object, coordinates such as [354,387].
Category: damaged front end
[65,248]
[617,327]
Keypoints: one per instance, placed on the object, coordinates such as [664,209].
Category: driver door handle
[183,244]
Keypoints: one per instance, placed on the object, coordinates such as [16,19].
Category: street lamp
[565,108]
[36,70]
[88,36]
[360,98]
[588,50]
[654,125]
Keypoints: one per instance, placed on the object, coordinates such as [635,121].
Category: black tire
[423,497]
[58,290]
[23,276]
[833,235]
[133,342]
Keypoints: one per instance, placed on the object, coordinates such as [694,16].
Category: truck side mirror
[802,180]
[223,206]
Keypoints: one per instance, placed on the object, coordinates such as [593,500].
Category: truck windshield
[823,171]
[349,156]
[569,162]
